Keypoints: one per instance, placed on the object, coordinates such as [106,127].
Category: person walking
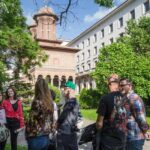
[40,122]
[111,119]
[136,121]
[14,115]
[66,124]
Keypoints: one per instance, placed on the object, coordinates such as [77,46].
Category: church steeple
[46,24]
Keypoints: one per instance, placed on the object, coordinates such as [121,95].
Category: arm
[20,113]
[99,122]
[101,113]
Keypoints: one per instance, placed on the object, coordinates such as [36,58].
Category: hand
[99,125]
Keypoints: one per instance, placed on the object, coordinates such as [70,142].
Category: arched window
[56,81]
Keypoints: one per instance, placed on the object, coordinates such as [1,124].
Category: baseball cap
[70,84]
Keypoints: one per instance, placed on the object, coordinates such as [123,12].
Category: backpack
[4,133]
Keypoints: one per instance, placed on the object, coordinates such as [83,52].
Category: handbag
[4,133]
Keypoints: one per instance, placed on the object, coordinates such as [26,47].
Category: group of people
[43,119]
[125,132]
[121,117]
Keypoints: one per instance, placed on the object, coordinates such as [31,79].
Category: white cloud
[97,15]
[29,20]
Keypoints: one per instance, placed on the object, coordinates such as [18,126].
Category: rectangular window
[89,66]
[78,70]
[102,33]
[110,28]
[95,37]
[83,68]
[146,7]
[121,34]
[83,45]
[132,14]
[77,58]
[88,53]
[103,44]
[95,50]
[82,56]
[120,22]
[111,40]
[88,42]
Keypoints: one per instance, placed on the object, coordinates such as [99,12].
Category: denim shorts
[38,143]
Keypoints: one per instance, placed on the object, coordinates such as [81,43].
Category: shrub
[57,92]
[89,98]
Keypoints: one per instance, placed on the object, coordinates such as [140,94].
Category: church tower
[45,27]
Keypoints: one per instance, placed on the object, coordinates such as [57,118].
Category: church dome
[45,11]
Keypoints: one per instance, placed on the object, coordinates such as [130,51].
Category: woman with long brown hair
[14,115]
[40,121]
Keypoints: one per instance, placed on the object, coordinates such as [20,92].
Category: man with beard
[66,124]
[136,125]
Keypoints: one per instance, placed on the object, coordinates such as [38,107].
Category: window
[82,44]
[83,68]
[88,53]
[146,6]
[121,34]
[82,56]
[88,42]
[95,62]
[120,22]
[102,33]
[132,14]
[95,50]
[95,37]
[103,44]
[78,70]
[89,66]
[77,58]
[111,40]
[48,30]
[110,28]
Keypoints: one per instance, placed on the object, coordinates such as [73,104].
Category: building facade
[60,65]
[103,32]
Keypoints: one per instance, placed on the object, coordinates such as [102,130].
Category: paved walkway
[22,141]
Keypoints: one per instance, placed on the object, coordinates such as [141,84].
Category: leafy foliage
[129,57]
[105,3]
[89,98]
[18,51]
[57,92]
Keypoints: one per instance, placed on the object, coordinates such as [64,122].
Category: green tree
[129,57]
[121,59]
[18,51]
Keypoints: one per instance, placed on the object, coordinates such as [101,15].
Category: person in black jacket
[66,124]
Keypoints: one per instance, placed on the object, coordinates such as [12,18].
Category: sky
[86,13]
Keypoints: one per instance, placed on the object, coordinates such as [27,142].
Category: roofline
[60,48]
[100,21]
[49,41]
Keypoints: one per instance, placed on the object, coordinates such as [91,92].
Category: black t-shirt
[106,104]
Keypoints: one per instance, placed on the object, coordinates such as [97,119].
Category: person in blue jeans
[136,116]
[40,121]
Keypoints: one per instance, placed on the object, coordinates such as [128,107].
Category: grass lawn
[8,147]
[91,114]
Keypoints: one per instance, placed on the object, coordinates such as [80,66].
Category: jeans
[135,145]
[38,143]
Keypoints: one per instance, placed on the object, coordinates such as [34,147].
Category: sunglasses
[123,85]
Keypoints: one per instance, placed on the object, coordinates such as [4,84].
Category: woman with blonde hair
[40,121]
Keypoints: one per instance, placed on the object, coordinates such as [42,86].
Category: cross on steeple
[46,3]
